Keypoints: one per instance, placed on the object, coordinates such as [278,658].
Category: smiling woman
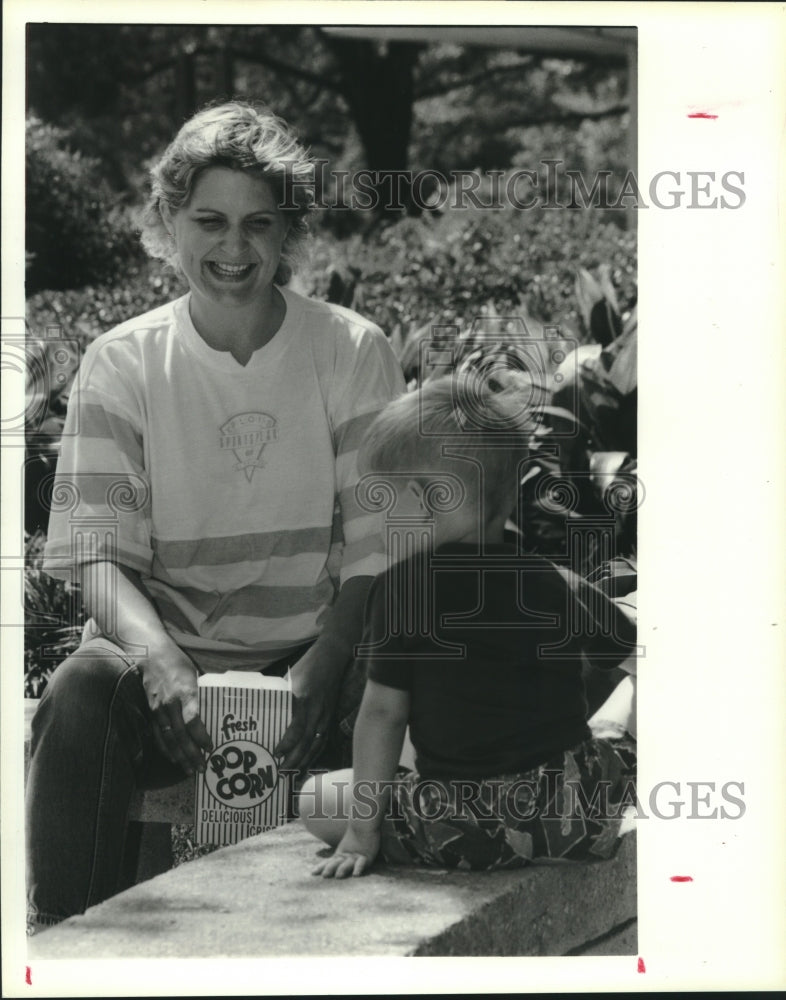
[207,472]
[229,242]
[214,213]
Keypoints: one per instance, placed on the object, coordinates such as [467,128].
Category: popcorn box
[242,792]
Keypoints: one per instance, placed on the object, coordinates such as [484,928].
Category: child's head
[456,425]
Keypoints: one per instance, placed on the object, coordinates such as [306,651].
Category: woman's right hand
[170,682]
[168,675]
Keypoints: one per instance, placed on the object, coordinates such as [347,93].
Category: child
[479,651]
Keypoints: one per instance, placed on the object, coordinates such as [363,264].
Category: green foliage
[446,270]
[82,314]
[490,108]
[122,92]
[76,231]
[53,621]
[52,364]
[184,847]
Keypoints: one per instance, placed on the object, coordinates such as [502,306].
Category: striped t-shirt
[229,488]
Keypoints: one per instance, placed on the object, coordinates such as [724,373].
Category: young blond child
[477,649]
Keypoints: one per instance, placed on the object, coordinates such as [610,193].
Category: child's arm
[376,750]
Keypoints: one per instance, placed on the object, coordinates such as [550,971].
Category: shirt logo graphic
[246,436]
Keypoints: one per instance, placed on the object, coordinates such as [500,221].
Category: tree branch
[438,90]
[264,59]
[544,119]
[259,57]
[567,117]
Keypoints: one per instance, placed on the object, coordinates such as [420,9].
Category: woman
[204,500]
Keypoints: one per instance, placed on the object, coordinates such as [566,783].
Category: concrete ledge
[258,898]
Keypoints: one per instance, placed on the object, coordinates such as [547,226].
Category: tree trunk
[186,85]
[225,75]
[377,82]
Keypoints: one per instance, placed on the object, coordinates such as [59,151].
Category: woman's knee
[83,689]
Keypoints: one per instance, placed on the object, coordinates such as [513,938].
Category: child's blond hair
[447,422]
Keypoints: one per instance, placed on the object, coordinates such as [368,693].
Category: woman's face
[229,236]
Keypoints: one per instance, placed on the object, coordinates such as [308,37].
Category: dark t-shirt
[490,650]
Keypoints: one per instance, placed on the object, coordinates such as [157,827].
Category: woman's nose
[235,240]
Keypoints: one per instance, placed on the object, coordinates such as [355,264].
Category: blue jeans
[92,746]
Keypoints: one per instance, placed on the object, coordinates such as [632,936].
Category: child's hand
[353,856]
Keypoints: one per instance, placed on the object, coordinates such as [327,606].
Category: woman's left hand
[316,681]
[317,676]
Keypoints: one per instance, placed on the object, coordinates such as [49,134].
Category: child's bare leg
[324,804]
[407,752]
[618,711]
[616,716]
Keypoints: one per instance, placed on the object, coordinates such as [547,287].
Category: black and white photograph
[372,593]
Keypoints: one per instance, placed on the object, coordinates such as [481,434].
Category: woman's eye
[207,223]
[259,223]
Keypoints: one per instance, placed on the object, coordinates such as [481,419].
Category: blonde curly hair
[242,136]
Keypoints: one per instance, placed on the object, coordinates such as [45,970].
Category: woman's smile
[232,273]
[229,239]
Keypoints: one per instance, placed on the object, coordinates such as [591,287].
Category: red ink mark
[640,966]
[28,976]
[701,114]
[681,878]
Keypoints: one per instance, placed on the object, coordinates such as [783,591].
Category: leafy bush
[76,231]
[51,367]
[53,620]
[447,269]
[82,314]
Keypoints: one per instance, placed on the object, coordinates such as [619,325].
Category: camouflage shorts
[566,809]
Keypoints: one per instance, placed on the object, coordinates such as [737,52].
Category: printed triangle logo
[246,436]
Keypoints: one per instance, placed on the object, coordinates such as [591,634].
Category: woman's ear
[167,218]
